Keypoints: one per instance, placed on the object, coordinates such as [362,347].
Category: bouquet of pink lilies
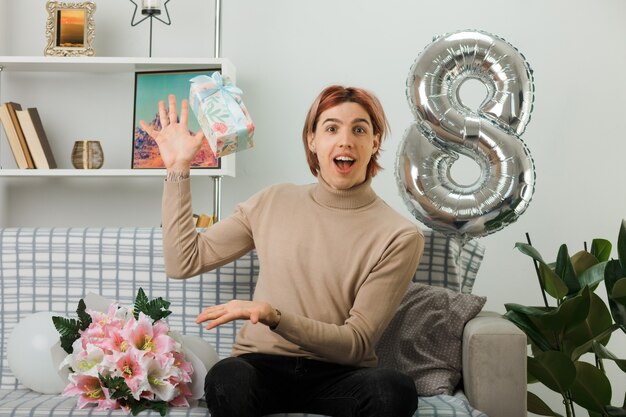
[125,358]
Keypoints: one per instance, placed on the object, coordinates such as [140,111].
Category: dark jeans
[254,385]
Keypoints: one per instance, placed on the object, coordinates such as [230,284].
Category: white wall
[3,27]
[285,51]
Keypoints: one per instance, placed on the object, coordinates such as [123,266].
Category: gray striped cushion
[448,263]
[52,269]
[456,405]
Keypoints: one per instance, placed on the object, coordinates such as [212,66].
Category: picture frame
[150,88]
[70,28]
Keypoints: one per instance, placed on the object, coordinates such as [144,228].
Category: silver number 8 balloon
[445,128]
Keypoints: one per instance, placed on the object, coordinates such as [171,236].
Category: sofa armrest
[494,366]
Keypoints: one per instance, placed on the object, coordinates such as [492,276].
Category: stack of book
[26,136]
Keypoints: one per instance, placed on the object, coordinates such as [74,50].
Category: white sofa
[48,269]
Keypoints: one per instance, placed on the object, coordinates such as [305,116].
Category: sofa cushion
[448,263]
[424,337]
[456,405]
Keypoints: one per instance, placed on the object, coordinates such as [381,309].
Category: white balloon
[202,357]
[202,349]
[30,353]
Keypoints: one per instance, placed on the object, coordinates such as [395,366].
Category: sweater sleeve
[374,306]
[188,253]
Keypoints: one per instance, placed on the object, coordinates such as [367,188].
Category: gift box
[223,117]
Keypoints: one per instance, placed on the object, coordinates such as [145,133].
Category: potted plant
[568,339]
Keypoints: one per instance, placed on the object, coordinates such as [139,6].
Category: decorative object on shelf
[150,87]
[445,127]
[151,9]
[87,154]
[70,28]
[221,113]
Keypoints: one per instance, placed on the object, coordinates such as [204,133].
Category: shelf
[38,66]
[109,64]
[102,172]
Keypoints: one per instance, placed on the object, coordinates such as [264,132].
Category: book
[13,108]
[12,138]
[36,138]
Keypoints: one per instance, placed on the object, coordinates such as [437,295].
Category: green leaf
[617,301]
[137,406]
[141,303]
[619,291]
[601,249]
[594,324]
[565,270]
[69,329]
[591,388]
[522,321]
[588,345]
[552,283]
[156,309]
[527,249]
[119,390]
[553,369]
[615,412]
[612,274]
[603,353]
[83,317]
[592,276]
[116,385]
[160,406]
[537,406]
[570,313]
[621,246]
[67,343]
[65,326]
[583,260]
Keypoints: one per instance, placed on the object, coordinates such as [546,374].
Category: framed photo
[150,88]
[70,28]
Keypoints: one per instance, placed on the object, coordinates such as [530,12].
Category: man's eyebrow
[358,120]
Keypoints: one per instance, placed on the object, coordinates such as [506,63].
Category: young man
[335,262]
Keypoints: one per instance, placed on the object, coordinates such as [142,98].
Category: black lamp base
[150,12]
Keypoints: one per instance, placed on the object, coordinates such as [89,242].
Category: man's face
[344,141]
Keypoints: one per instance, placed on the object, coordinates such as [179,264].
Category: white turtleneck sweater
[336,263]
